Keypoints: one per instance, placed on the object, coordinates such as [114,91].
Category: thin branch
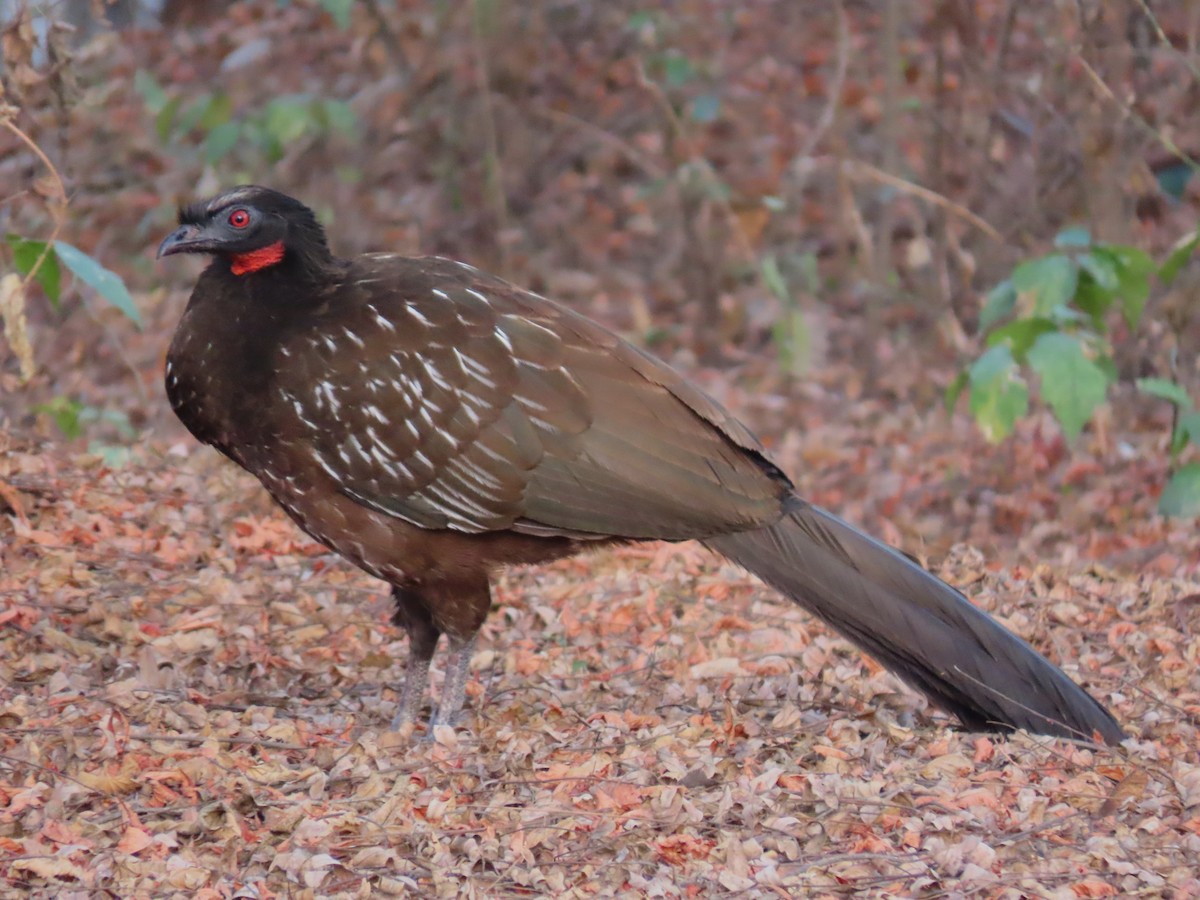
[57,205]
[644,162]
[865,171]
[717,193]
[1159,135]
[1185,58]
[841,67]
[494,171]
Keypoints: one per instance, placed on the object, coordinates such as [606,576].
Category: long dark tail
[917,625]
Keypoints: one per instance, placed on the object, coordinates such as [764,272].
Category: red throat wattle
[245,263]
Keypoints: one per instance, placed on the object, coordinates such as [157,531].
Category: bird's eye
[239,218]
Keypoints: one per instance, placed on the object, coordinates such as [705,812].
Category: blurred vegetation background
[808,204]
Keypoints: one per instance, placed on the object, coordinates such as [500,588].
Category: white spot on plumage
[440,293]
[332,472]
[330,343]
[377,414]
[481,477]
[299,407]
[436,376]
[354,338]
[389,465]
[417,314]
[476,369]
[504,339]
[454,504]
[531,404]
[470,413]
[326,389]
[358,447]
[478,296]
[381,320]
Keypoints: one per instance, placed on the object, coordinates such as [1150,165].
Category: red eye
[239,218]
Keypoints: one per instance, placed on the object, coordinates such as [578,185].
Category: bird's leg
[454,688]
[423,635]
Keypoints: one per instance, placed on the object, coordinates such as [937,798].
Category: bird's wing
[452,399]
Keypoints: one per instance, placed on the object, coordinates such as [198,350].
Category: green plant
[208,121]
[1051,318]
[790,331]
[53,256]
[73,418]
[43,261]
[1181,496]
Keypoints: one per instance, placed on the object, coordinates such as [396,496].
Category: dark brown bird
[432,423]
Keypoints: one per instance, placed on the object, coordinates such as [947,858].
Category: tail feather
[918,626]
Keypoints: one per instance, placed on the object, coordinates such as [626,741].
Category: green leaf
[1165,390]
[150,91]
[1105,364]
[339,11]
[336,115]
[218,112]
[773,278]
[954,390]
[1173,179]
[287,118]
[1102,269]
[65,413]
[190,114]
[1181,496]
[1179,256]
[1071,383]
[706,108]
[640,20]
[1134,268]
[677,69]
[25,256]
[165,120]
[1020,335]
[1073,237]
[1187,428]
[107,284]
[221,140]
[998,304]
[1051,281]
[1097,288]
[998,394]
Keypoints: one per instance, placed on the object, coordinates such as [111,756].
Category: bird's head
[253,228]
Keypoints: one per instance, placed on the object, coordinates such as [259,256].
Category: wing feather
[489,408]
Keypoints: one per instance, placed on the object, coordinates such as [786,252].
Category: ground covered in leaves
[194,697]
[196,701]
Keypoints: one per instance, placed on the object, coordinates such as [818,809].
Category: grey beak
[181,240]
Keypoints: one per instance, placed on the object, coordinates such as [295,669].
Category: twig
[833,101]
[1165,41]
[720,196]
[390,42]
[494,171]
[630,152]
[1162,137]
[863,171]
[57,207]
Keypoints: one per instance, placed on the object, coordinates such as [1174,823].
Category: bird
[434,424]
